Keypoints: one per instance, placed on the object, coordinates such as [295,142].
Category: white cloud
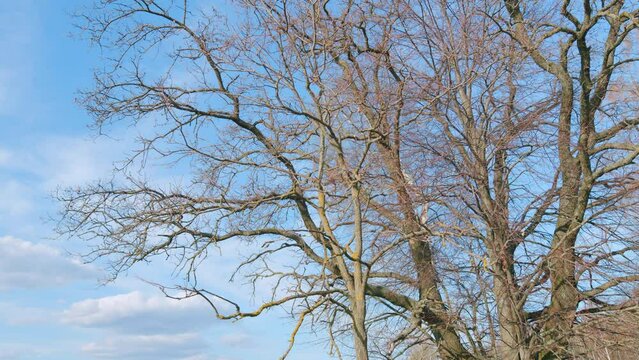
[20,351]
[12,314]
[5,155]
[61,160]
[29,174]
[19,27]
[24,264]
[71,161]
[139,313]
[159,346]
[17,198]
[238,339]
[140,326]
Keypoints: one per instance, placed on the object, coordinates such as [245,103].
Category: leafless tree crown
[453,176]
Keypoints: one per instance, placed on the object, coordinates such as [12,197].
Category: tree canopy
[451,175]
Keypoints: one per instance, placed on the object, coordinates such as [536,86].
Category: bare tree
[448,174]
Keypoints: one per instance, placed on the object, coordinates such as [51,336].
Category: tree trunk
[360,337]
[512,341]
[433,311]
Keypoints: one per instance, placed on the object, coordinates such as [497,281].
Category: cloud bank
[140,326]
[24,264]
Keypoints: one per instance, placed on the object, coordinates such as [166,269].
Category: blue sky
[52,306]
